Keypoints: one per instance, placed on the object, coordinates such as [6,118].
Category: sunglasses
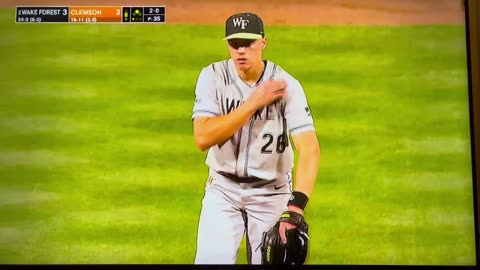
[237,43]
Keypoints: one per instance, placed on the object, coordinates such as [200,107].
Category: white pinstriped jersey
[261,148]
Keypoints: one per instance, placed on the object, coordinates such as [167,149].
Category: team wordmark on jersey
[231,104]
[265,113]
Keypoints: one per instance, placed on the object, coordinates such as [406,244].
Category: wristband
[298,199]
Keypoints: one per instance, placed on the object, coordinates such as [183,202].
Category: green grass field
[98,162]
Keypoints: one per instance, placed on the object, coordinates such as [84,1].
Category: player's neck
[253,74]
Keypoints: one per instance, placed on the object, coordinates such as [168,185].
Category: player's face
[246,52]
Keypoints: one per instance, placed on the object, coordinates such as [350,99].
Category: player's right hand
[268,92]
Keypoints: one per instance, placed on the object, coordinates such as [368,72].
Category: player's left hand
[284,226]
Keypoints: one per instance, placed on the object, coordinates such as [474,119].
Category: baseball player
[247,112]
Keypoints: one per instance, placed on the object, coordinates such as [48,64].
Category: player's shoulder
[210,70]
[282,74]
[217,65]
[214,69]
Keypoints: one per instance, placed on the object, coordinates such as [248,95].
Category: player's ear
[264,43]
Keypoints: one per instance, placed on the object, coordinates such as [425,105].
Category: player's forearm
[213,131]
[307,169]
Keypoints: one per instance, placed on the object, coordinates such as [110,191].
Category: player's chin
[243,65]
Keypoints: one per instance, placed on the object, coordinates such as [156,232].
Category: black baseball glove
[294,252]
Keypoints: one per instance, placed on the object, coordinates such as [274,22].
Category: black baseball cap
[244,25]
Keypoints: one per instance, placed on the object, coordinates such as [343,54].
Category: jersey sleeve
[206,102]
[297,110]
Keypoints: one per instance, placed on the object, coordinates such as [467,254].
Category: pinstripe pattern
[250,175]
[260,149]
[220,90]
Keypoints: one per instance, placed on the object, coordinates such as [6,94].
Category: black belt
[240,179]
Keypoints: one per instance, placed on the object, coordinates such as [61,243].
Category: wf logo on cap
[244,25]
[240,22]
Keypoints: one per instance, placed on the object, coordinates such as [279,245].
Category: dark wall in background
[474,32]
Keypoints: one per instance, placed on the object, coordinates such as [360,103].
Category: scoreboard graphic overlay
[90,14]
